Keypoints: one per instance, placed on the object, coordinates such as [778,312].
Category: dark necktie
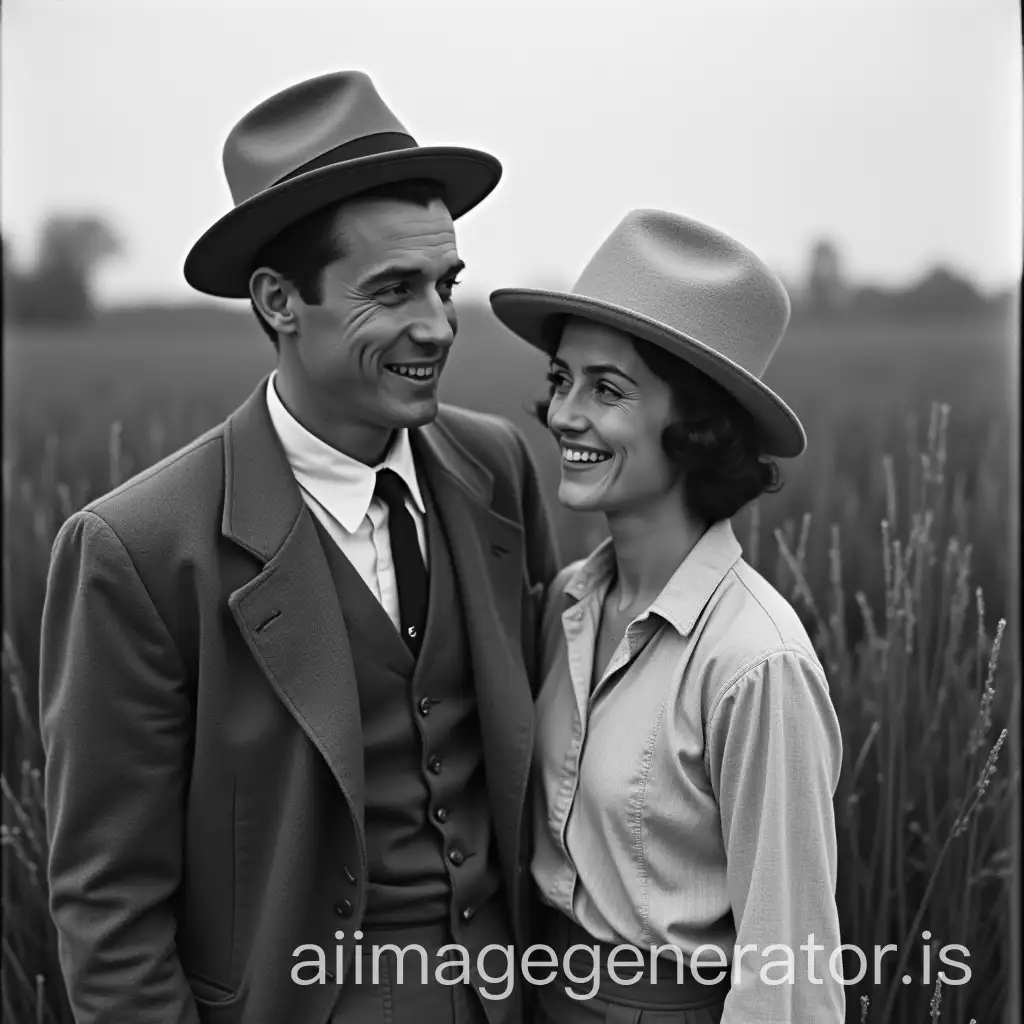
[408,560]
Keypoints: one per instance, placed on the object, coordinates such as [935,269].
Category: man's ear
[273,298]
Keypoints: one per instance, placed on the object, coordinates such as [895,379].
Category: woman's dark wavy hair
[714,442]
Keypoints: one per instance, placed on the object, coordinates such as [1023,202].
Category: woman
[687,749]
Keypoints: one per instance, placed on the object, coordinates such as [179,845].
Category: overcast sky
[894,126]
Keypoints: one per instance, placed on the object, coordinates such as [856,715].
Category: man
[286,673]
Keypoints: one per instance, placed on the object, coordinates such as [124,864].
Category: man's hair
[714,441]
[302,251]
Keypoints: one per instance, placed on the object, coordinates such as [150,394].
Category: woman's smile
[581,456]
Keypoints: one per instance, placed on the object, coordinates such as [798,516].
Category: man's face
[371,354]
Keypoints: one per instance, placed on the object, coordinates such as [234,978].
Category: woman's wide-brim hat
[314,144]
[688,288]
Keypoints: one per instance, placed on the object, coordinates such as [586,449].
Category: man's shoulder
[489,438]
[178,486]
[470,423]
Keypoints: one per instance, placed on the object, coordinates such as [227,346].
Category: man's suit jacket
[204,774]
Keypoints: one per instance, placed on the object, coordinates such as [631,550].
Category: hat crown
[693,279]
[302,124]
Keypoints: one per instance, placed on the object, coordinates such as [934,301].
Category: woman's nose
[564,414]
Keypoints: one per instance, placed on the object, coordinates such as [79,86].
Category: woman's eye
[447,287]
[608,392]
[557,381]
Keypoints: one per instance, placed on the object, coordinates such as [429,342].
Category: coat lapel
[289,613]
[487,555]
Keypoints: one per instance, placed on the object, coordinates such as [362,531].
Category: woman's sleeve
[774,755]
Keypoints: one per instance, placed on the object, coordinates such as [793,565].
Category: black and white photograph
[511,511]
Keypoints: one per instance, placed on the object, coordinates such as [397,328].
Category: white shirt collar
[343,485]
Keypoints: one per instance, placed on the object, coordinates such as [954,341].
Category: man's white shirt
[338,490]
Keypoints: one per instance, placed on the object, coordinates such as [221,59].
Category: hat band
[367,145]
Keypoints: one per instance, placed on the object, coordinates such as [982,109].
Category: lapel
[487,552]
[288,613]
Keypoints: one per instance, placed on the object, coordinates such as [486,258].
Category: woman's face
[608,412]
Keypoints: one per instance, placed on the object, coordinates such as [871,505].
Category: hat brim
[538,317]
[220,263]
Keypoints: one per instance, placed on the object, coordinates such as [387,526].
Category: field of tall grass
[892,537]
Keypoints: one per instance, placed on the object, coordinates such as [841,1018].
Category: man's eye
[451,284]
[396,291]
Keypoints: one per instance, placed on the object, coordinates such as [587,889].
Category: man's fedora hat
[688,288]
[311,145]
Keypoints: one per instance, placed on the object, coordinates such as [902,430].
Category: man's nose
[434,323]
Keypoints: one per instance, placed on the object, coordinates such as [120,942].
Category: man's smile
[418,372]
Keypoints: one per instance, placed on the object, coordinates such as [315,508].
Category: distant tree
[59,288]
[941,291]
[827,294]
